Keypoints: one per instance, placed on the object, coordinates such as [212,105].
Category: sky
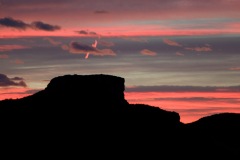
[179,55]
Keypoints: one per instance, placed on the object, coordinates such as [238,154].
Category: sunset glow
[179,55]
[190,105]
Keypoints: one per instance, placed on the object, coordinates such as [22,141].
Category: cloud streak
[234,69]
[148,52]
[52,41]
[17,61]
[199,49]
[179,54]
[206,48]
[171,43]
[5,48]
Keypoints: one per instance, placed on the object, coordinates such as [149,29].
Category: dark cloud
[84,32]
[18,24]
[82,48]
[44,26]
[10,22]
[79,48]
[101,12]
[6,82]
[92,33]
[183,89]
[17,79]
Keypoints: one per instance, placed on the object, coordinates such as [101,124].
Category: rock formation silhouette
[90,111]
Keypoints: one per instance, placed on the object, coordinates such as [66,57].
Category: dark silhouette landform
[90,111]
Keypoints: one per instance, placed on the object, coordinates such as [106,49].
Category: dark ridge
[218,121]
[90,111]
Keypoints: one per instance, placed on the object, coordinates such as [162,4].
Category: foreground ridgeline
[90,111]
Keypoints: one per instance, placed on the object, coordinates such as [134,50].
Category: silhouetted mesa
[92,110]
[91,96]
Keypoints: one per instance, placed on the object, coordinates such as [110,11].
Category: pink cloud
[17,61]
[65,47]
[235,69]
[171,43]
[4,48]
[4,56]
[148,52]
[179,54]
[199,49]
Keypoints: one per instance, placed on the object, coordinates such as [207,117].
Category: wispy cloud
[206,48]
[16,81]
[52,41]
[148,52]
[171,43]
[179,54]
